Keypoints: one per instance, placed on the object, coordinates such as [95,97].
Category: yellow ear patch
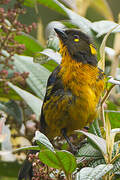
[76,40]
[93,50]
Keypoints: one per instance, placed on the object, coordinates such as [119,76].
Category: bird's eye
[76,38]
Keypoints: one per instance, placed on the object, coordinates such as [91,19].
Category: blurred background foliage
[21,98]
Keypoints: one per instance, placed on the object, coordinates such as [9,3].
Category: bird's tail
[26,171]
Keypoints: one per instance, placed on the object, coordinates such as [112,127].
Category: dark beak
[61,34]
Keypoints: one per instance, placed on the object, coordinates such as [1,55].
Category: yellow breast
[78,105]
[84,83]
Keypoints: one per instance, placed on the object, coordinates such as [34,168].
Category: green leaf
[5,97]
[94,173]
[83,23]
[32,101]
[51,36]
[42,139]
[13,109]
[50,65]
[69,24]
[99,5]
[31,44]
[116,148]
[95,162]
[47,54]
[103,27]
[99,142]
[38,75]
[53,42]
[67,161]
[49,4]
[116,166]
[87,152]
[114,117]
[95,129]
[60,160]
[27,148]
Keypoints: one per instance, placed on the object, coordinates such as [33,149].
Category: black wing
[54,85]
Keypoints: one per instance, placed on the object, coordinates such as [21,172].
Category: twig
[109,111]
[115,62]
[105,97]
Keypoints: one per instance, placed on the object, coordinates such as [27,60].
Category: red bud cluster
[10,29]
[41,171]
[4,1]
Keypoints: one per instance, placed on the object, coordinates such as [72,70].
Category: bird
[74,88]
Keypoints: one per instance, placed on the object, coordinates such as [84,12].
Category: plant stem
[102,102]
[69,177]
[107,94]
[115,157]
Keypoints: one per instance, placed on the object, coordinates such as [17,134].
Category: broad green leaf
[30,3]
[38,75]
[95,129]
[41,138]
[32,101]
[47,54]
[49,158]
[69,24]
[87,152]
[114,117]
[31,44]
[103,27]
[52,55]
[49,4]
[89,173]
[116,166]
[60,160]
[83,23]
[95,162]
[116,148]
[67,160]
[13,109]
[5,97]
[99,142]
[100,5]
[50,65]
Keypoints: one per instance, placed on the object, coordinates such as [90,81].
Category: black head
[79,45]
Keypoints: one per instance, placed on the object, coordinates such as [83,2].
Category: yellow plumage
[81,104]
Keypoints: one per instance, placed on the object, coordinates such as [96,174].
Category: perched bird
[74,88]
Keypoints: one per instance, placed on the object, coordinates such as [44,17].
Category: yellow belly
[76,109]
[70,112]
